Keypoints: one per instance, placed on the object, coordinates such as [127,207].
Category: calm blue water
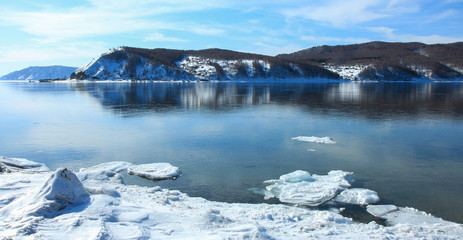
[403,140]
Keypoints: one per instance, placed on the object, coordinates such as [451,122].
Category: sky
[73,32]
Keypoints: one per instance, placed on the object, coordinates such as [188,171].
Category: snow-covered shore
[94,203]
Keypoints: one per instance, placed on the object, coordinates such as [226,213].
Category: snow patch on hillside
[205,68]
[347,72]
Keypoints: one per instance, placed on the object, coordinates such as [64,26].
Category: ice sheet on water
[155,171]
[312,139]
[299,187]
[117,166]
[16,164]
[380,210]
[404,215]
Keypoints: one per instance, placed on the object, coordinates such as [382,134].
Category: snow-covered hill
[209,64]
[39,73]
[383,61]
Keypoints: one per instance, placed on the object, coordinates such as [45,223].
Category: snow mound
[20,164]
[320,140]
[60,190]
[300,188]
[359,196]
[155,171]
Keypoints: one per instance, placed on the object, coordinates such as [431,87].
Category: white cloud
[159,37]
[391,35]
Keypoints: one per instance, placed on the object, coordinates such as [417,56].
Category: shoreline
[116,210]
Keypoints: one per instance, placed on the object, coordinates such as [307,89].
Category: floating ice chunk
[404,215]
[321,140]
[155,171]
[117,166]
[380,210]
[104,172]
[17,164]
[300,188]
[359,196]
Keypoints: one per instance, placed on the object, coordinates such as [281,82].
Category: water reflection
[229,137]
[372,100]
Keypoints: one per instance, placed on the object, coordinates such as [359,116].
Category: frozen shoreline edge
[131,208]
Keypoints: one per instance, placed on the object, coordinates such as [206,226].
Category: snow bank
[300,188]
[321,140]
[155,171]
[155,213]
[60,190]
[15,164]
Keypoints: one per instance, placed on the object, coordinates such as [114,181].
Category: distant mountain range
[40,73]
[377,61]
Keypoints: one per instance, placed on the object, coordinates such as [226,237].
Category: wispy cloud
[333,40]
[159,37]
[391,35]
[342,14]
[338,13]
[442,15]
[105,17]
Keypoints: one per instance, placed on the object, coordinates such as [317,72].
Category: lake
[403,140]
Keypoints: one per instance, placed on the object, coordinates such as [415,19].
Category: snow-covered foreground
[96,204]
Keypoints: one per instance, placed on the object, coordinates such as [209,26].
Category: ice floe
[312,139]
[110,171]
[299,187]
[54,205]
[359,196]
[155,171]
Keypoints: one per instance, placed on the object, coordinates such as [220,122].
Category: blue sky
[72,33]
